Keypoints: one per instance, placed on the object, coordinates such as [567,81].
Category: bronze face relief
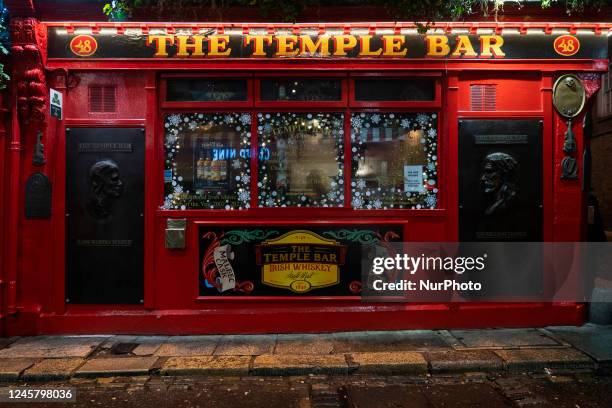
[498,182]
[105,186]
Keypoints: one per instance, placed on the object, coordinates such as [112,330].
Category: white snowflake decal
[245,178]
[245,119]
[357,202]
[243,196]
[174,120]
[229,119]
[361,183]
[422,119]
[431,201]
[356,122]
[167,204]
[236,164]
[377,203]
[375,118]
[178,189]
[405,124]
[432,133]
[193,125]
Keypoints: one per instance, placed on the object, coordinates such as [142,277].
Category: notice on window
[413,179]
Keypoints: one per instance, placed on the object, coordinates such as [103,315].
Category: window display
[394,160]
[207,161]
[298,156]
[301,161]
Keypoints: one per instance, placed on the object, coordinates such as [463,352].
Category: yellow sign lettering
[392,45]
[161,43]
[464,47]
[258,43]
[217,46]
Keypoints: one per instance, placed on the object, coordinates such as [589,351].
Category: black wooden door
[500,180]
[105,215]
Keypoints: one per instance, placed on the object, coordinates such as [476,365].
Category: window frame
[346,107]
[259,103]
[436,103]
[165,104]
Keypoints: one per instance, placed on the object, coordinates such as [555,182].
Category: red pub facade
[221,178]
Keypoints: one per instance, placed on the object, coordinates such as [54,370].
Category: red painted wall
[171,304]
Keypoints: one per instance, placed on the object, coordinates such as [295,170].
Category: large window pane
[301,90]
[408,89]
[394,160]
[206,90]
[301,159]
[207,161]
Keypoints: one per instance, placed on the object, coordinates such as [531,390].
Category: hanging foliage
[289,10]
[4,43]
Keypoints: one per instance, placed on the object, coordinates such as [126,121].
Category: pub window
[394,160]
[399,89]
[207,161]
[301,159]
[206,90]
[297,89]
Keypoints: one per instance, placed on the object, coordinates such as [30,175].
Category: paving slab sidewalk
[412,352]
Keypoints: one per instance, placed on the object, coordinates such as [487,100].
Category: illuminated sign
[214,44]
[301,261]
[224,153]
[287,260]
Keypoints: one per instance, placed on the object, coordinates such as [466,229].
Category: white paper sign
[413,179]
[227,277]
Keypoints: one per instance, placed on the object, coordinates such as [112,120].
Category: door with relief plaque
[500,200]
[105,215]
[500,180]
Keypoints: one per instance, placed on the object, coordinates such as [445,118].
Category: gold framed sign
[569,96]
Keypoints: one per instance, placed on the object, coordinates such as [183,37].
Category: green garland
[289,10]
[4,43]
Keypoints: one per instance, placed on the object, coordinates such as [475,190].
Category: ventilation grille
[102,98]
[483,97]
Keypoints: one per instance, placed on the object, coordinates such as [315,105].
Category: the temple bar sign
[210,44]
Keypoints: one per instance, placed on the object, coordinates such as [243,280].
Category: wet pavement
[401,352]
[559,390]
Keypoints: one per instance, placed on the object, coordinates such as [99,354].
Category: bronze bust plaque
[568,95]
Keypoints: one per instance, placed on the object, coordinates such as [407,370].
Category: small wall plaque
[175,233]
[38,197]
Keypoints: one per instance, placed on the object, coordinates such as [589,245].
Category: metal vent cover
[483,97]
[102,98]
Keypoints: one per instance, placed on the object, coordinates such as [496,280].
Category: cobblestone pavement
[573,390]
